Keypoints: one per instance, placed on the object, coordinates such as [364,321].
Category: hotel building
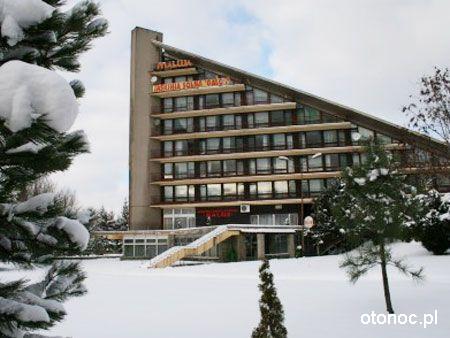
[212,145]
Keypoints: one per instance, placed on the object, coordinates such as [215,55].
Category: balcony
[254,131]
[225,110]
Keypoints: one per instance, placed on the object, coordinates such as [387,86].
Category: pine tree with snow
[271,324]
[327,233]
[377,206]
[37,108]
[433,226]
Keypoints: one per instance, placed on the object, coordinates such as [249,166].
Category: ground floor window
[144,247]
[179,218]
[275,219]
[276,244]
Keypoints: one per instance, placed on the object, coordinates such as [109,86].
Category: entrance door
[251,246]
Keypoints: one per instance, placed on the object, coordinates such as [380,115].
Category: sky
[368,55]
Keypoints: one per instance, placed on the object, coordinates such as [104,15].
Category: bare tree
[429,111]
[66,198]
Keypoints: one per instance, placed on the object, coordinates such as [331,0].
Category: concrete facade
[144,55]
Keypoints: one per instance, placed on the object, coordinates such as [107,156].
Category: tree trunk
[387,293]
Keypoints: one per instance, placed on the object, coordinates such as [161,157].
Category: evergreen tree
[327,232]
[271,324]
[122,221]
[376,205]
[433,226]
[37,108]
[104,220]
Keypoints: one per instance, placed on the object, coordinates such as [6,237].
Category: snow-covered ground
[126,299]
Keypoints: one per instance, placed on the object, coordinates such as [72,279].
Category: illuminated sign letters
[169,87]
[173,64]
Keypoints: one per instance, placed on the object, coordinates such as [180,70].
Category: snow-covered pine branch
[37,109]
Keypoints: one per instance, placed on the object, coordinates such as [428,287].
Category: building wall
[144,55]
[313,144]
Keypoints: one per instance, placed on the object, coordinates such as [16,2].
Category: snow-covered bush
[433,227]
[37,109]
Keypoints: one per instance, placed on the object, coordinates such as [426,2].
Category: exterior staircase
[197,247]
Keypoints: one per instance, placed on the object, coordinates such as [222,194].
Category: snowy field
[126,299]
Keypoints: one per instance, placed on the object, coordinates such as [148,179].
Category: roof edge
[353,115]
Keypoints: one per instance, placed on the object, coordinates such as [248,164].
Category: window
[281,188]
[264,189]
[183,125]
[229,144]
[313,139]
[212,101]
[212,123]
[261,120]
[168,171]
[184,169]
[214,191]
[184,103]
[180,79]
[263,165]
[365,133]
[283,165]
[277,118]
[237,99]
[260,96]
[168,148]
[227,99]
[252,166]
[229,167]
[332,162]
[312,163]
[345,160]
[276,244]
[330,138]
[279,141]
[228,122]
[275,99]
[229,190]
[184,192]
[327,118]
[178,218]
[311,115]
[168,194]
[316,186]
[167,105]
[343,136]
[181,192]
[214,168]
[181,147]
[213,145]
[167,127]
[262,142]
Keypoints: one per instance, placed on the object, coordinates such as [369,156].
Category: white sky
[368,55]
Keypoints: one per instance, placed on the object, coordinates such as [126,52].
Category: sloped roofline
[355,116]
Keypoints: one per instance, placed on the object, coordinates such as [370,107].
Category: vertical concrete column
[291,245]
[240,248]
[261,246]
[144,56]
